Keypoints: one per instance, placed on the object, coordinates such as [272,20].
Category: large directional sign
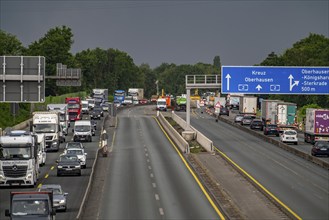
[22,79]
[275,80]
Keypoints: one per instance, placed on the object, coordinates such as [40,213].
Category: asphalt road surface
[147,178]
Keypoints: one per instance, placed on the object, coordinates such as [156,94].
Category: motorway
[74,185]
[147,178]
[300,184]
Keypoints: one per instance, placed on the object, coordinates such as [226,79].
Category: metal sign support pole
[188,108]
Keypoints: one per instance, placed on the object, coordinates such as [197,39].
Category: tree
[272,60]
[217,64]
[10,45]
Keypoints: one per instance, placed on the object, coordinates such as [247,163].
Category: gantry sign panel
[22,79]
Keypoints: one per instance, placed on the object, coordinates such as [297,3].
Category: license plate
[68,169]
[323,149]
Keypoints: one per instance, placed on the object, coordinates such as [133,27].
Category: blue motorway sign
[275,80]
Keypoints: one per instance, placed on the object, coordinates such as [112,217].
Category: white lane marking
[157,197]
[154,185]
[148,160]
[150,168]
[147,154]
[161,211]
[151,175]
[145,149]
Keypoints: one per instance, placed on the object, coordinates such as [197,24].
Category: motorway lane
[74,185]
[146,177]
[301,185]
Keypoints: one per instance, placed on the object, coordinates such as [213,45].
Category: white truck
[136,92]
[102,94]
[316,125]
[161,104]
[269,110]
[85,107]
[248,105]
[48,123]
[19,160]
[63,115]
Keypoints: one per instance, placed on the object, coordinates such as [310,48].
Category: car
[238,118]
[59,197]
[271,129]
[80,153]
[117,103]
[96,113]
[68,164]
[105,106]
[289,136]
[94,124]
[74,145]
[247,119]
[143,101]
[224,111]
[320,148]
[83,131]
[256,124]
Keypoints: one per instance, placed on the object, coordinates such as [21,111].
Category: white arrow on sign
[228,77]
[290,81]
[259,87]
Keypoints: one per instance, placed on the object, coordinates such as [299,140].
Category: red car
[143,101]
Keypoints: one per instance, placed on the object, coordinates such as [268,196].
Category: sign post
[275,80]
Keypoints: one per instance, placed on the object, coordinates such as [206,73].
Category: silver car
[59,197]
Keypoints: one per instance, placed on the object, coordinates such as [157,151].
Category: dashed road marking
[161,211]
[46,176]
[151,175]
[154,185]
[53,167]
[150,168]
[157,197]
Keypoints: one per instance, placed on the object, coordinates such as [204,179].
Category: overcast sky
[173,31]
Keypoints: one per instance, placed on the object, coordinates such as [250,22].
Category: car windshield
[161,103]
[97,109]
[76,152]
[45,128]
[82,128]
[67,158]
[13,152]
[29,207]
[56,191]
[73,105]
[73,145]
[290,132]
[323,144]
[272,126]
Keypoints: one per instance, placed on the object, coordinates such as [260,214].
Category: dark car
[320,148]
[247,119]
[256,124]
[224,111]
[96,113]
[68,165]
[271,129]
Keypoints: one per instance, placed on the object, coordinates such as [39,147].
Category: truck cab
[161,105]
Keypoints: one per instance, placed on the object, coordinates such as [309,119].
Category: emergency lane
[75,186]
[300,184]
[146,178]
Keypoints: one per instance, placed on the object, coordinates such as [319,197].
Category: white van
[85,107]
[82,131]
[161,105]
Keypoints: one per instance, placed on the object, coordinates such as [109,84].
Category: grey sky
[176,31]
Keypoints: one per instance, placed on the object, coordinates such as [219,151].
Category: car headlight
[55,142]
[2,177]
[60,167]
[62,201]
[77,166]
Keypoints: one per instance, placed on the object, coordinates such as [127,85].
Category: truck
[248,105]
[119,95]
[136,92]
[48,123]
[85,107]
[31,205]
[232,102]
[269,111]
[74,108]
[316,125]
[63,115]
[19,160]
[101,94]
[286,116]
[180,103]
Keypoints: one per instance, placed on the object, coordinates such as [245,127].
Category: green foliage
[10,45]
[217,64]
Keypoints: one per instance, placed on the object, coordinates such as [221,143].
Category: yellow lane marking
[39,186]
[192,173]
[259,185]
[46,176]
[53,167]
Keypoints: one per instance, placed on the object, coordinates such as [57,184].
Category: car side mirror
[7,213]
[57,161]
[65,194]
[72,130]
[53,212]
[86,154]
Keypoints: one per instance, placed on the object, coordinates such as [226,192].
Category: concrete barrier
[176,137]
[205,142]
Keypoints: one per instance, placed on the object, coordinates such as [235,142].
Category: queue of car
[288,136]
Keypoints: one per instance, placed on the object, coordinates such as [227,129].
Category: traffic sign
[22,79]
[275,80]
